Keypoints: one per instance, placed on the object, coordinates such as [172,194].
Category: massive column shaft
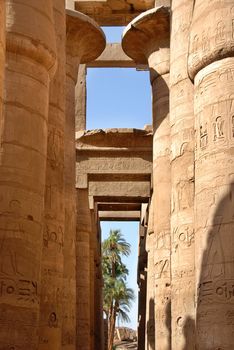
[212,42]
[146,39]
[51,307]
[85,42]
[182,177]
[2,60]
[30,51]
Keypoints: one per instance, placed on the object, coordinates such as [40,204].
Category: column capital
[211,34]
[30,31]
[85,39]
[147,34]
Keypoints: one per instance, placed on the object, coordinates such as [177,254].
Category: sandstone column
[30,59]
[51,307]
[141,281]
[150,293]
[212,68]
[84,272]
[2,60]
[182,178]
[85,42]
[146,39]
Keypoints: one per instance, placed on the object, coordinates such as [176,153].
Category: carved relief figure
[11,227]
[220,33]
[218,128]
[203,136]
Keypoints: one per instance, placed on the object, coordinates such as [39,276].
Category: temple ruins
[58,180]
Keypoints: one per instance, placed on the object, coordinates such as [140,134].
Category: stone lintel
[112,12]
[119,207]
[120,199]
[114,56]
[122,189]
[130,168]
[119,215]
[148,32]
[119,138]
[85,39]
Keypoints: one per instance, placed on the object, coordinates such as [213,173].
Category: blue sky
[120,98]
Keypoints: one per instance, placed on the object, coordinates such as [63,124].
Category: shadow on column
[215,301]
[151,326]
[189,333]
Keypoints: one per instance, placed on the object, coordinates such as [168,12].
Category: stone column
[141,281]
[81,99]
[182,177]
[212,68]
[30,62]
[85,42]
[146,39]
[2,60]
[84,266]
[51,307]
[150,293]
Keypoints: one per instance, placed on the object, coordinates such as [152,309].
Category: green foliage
[117,296]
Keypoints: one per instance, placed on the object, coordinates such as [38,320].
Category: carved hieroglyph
[182,177]
[30,59]
[146,40]
[51,306]
[212,41]
[85,42]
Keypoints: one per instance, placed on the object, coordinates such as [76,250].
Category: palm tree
[117,296]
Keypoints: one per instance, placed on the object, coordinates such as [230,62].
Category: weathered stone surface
[112,12]
[51,306]
[85,42]
[182,181]
[214,224]
[150,290]
[119,215]
[114,56]
[30,59]
[146,40]
[211,34]
[2,59]
[83,233]
[80,99]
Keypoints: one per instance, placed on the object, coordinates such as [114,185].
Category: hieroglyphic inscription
[221,291]
[183,235]
[162,269]
[22,289]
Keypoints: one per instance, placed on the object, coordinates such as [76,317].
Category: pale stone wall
[182,177]
[212,43]
[30,60]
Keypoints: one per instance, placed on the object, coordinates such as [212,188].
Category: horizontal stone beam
[119,206]
[114,56]
[115,138]
[119,215]
[130,164]
[112,13]
[119,189]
